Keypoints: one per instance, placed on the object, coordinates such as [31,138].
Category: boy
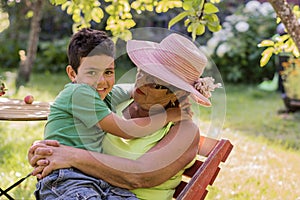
[81,115]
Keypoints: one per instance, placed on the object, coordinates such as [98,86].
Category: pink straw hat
[175,60]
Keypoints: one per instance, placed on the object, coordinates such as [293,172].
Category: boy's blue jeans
[71,184]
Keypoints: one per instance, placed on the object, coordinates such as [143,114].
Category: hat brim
[142,54]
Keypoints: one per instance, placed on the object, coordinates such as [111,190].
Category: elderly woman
[152,166]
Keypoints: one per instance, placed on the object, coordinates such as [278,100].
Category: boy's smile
[97,71]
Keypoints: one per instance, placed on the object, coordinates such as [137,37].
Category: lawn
[264,143]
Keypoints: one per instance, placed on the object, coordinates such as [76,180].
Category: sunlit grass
[16,137]
[256,169]
[255,113]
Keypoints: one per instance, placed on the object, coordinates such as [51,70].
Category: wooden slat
[192,170]
[207,171]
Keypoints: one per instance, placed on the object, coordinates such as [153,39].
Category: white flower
[266,9]
[242,26]
[222,49]
[227,26]
[223,34]
[233,19]
[208,51]
[212,42]
[252,6]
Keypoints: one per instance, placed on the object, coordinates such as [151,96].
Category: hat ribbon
[206,85]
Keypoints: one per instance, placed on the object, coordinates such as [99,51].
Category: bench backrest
[203,173]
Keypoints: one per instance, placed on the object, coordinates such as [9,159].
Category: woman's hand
[48,155]
[185,106]
[41,147]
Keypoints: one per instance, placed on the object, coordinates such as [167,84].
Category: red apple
[28,99]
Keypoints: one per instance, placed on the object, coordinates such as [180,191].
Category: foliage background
[233,49]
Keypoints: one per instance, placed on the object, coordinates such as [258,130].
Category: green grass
[255,113]
[16,137]
[250,113]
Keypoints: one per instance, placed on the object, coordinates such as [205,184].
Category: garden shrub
[234,49]
[52,56]
[9,51]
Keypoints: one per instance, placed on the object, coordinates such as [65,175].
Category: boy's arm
[120,93]
[91,110]
[139,127]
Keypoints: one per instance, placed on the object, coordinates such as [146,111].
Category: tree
[197,15]
[288,18]
[288,43]
[28,60]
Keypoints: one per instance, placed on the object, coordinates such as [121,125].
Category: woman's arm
[170,155]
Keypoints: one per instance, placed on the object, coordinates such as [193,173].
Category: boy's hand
[183,112]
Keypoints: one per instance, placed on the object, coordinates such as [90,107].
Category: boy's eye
[109,72]
[92,73]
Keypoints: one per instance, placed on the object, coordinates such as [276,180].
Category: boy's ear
[71,73]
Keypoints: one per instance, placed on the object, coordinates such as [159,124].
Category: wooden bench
[203,173]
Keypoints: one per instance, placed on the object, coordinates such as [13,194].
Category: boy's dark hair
[88,42]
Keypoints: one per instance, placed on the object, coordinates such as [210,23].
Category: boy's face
[97,71]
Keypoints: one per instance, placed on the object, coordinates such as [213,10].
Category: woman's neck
[135,111]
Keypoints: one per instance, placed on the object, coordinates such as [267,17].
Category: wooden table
[18,110]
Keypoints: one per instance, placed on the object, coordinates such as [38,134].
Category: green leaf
[200,29]
[283,38]
[58,2]
[210,8]
[194,34]
[110,9]
[197,3]
[214,26]
[136,5]
[126,35]
[213,22]
[150,8]
[176,19]
[189,28]
[266,43]
[129,23]
[70,9]
[29,14]
[187,5]
[266,55]
[202,3]
[296,52]
[97,14]
[76,18]
[66,5]
[186,22]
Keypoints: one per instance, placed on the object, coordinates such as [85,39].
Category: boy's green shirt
[76,111]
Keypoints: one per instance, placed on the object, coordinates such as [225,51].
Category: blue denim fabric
[71,184]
